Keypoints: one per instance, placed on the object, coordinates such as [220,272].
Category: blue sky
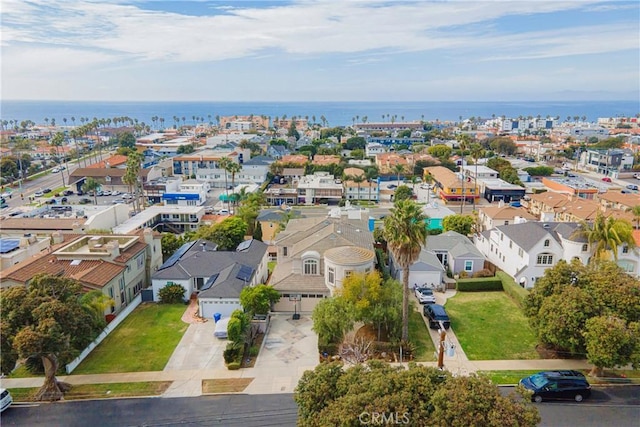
[320,50]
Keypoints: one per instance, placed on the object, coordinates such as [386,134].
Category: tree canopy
[227,234]
[258,299]
[462,224]
[417,396]
[440,151]
[47,321]
[583,309]
[403,192]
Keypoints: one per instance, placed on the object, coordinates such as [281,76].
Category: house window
[501,236]
[284,251]
[331,275]
[506,222]
[468,266]
[625,249]
[520,252]
[510,244]
[585,247]
[311,267]
[545,259]
[547,243]
[140,262]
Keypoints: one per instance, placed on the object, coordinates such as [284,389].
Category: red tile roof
[115,160]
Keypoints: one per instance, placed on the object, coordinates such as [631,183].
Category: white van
[5,399]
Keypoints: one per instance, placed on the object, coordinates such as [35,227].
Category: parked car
[636,175]
[46,190]
[64,200]
[51,201]
[85,201]
[435,313]
[116,201]
[105,193]
[67,193]
[606,179]
[116,193]
[55,170]
[548,385]
[127,196]
[425,296]
[632,187]
[5,399]
[39,193]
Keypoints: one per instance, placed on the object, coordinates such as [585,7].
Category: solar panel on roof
[177,255]
[243,246]
[8,245]
[244,273]
[210,282]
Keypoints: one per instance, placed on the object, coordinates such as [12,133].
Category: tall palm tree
[233,168]
[636,215]
[476,152]
[398,169]
[605,235]
[463,142]
[358,179]
[134,163]
[223,163]
[405,231]
[89,185]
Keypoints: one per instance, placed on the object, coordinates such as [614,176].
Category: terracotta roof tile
[134,250]
[113,161]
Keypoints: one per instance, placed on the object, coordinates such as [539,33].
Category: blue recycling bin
[216,317]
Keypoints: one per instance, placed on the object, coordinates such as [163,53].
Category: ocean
[335,113]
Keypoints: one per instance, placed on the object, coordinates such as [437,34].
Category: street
[608,406]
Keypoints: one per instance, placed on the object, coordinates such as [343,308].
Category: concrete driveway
[289,349]
[198,349]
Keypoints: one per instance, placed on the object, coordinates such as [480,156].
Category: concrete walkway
[289,349]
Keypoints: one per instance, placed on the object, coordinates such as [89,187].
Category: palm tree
[90,185]
[605,235]
[476,152]
[463,141]
[636,214]
[233,168]
[371,174]
[223,163]
[97,303]
[358,179]
[398,169]
[406,233]
[131,177]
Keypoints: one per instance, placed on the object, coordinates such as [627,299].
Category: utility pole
[443,335]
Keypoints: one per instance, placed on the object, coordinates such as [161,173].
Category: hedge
[511,288]
[479,284]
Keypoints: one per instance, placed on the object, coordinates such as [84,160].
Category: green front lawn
[144,341]
[490,326]
[420,337]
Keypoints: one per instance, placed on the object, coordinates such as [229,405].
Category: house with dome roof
[314,257]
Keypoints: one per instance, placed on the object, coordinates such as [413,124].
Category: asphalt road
[608,406]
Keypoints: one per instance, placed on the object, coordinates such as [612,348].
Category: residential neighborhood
[212,217]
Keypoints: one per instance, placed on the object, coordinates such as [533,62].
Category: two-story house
[449,185]
[314,257]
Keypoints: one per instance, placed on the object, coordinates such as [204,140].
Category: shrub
[253,351]
[172,294]
[483,273]
[463,275]
[511,288]
[330,349]
[232,352]
[480,284]
[233,366]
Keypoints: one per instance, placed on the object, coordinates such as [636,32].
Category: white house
[216,277]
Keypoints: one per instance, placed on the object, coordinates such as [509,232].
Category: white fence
[106,331]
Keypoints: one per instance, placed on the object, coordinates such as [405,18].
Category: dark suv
[548,385]
[435,313]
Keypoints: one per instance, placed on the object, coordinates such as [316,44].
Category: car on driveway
[435,313]
[557,385]
[425,296]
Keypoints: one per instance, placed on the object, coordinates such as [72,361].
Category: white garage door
[306,304]
[421,278]
[209,307]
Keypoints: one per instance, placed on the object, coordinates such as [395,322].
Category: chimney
[113,249]
[148,236]
[57,238]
